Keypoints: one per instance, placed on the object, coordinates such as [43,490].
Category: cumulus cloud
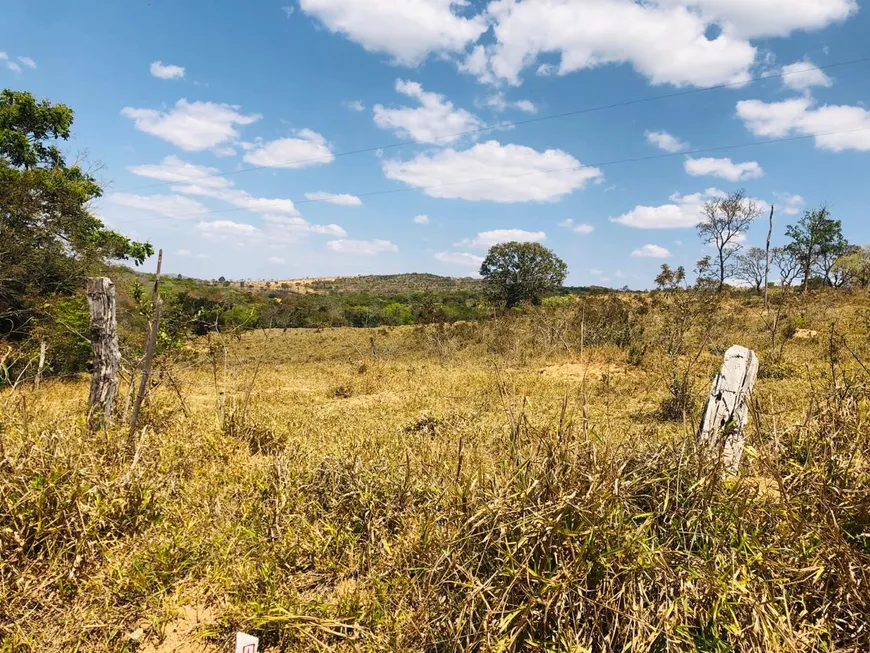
[494,172]
[408,31]
[435,119]
[486,239]
[355,105]
[366,247]
[577,228]
[498,102]
[342,199]
[283,220]
[802,75]
[789,204]
[276,260]
[651,251]
[459,258]
[665,141]
[171,206]
[225,228]
[683,212]
[307,148]
[27,62]
[192,126]
[421,219]
[166,71]
[666,42]
[724,168]
[799,116]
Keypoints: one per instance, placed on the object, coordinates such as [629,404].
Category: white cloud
[766,18]
[192,126]
[498,102]
[226,228]
[408,31]
[184,252]
[665,141]
[172,206]
[651,251]
[724,168]
[459,258]
[288,10]
[308,148]
[342,199]
[368,247]
[666,42]
[277,260]
[27,61]
[486,239]
[436,118]
[355,105]
[789,204]
[685,211]
[421,219]
[596,272]
[201,181]
[166,72]
[798,116]
[801,76]
[289,228]
[174,169]
[14,67]
[494,172]
[577,228]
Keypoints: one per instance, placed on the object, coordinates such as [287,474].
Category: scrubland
[530,482]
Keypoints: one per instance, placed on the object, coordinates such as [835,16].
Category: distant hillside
[393,283]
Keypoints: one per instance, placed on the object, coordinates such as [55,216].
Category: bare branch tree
[751,267]
[788,264]
[725,220]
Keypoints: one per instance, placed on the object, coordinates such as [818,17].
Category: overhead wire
[601,164]
[504,125]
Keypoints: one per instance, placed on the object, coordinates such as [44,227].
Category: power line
[506,125]
[405,189]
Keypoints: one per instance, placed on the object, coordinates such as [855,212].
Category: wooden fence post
[41,365]
[107,356]
[150,346]
[723,428]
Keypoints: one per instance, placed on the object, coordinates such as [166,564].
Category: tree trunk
[767,260]
[107,356]
[721,270]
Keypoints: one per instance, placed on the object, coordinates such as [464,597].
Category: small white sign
[246,643]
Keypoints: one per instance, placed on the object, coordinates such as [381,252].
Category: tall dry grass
[503,486]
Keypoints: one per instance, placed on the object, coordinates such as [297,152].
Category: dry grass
[477,487]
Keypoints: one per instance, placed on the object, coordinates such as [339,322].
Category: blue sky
[221,129]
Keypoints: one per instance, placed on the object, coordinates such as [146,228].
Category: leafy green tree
[817,242]
[519,272]
[853,268]
[396,313]
[49,239]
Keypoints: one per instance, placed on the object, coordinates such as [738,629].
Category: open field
[518,484]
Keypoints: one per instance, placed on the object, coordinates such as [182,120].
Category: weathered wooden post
[107,356]
[40,366]
[723,428]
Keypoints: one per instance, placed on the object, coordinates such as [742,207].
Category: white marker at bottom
[246,643]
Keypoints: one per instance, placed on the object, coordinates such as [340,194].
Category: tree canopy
[817,242]
[521,272]
[49,239]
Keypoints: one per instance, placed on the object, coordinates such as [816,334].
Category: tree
[517,272]
[853,268]
[789,265]
[725,220]
[751,267]
[49,239]
[817,242]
